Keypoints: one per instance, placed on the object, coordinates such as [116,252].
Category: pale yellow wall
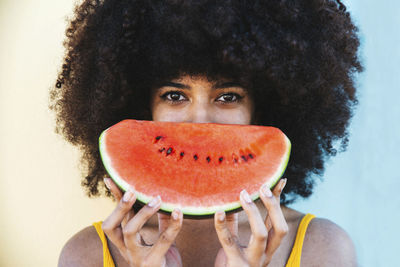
[41,201]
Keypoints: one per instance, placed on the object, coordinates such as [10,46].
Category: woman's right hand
[122,228]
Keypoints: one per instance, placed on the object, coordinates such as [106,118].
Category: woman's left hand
[266,234]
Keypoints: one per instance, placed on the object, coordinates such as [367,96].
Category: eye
[173,96]
[229,98]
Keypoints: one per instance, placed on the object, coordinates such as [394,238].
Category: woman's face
[195,99]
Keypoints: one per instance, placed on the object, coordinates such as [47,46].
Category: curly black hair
[298,59]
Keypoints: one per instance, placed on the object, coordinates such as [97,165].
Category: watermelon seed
[251,156]
[162,149]
[157,138]
[244,158]
[235,158]
[208,159]
[169,151]
[182,153]
[221,159]
[195,157]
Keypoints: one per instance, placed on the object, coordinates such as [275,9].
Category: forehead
[187,82]
[198,79]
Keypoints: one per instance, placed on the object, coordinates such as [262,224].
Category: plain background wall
[42,203]
[360,191]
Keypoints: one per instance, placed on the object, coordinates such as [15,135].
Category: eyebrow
[216,86]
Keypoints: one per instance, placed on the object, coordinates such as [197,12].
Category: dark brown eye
[231,97]
[173,96]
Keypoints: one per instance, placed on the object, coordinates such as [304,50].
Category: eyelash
[165,97]
[238,98]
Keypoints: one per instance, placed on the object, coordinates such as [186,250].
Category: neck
[201,250]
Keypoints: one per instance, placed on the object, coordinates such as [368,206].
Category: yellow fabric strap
[293,261]
[295,255]
[107,259]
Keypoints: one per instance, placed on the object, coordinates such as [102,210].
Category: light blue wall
[360,188]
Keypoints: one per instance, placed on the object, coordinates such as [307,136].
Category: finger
[268,223]
[279,225]
[167,237]
[227,240]
[112,225]
[277,193]
[232,223]
[259,233]
[127,218]
[132,228]
[279,188]
[163,221]
[117,193]
[221,260]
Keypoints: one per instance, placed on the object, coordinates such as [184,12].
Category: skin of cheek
[165,114]
[236,116]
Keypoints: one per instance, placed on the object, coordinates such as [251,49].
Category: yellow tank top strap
[295,255]
[293,261]
[107,258]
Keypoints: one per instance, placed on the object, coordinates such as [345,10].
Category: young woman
[288,64]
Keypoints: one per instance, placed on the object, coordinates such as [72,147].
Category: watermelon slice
[199,167]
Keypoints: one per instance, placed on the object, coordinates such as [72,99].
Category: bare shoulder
[327,244]
[83,249]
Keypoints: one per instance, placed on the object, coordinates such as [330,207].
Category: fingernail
[128,196]
[107,182]
[245,196]
[154,202]
[175,214]
[266,191]
[221,215]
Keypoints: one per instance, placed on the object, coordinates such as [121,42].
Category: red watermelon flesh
[198,167]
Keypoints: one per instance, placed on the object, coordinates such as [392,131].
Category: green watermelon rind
[188,211]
